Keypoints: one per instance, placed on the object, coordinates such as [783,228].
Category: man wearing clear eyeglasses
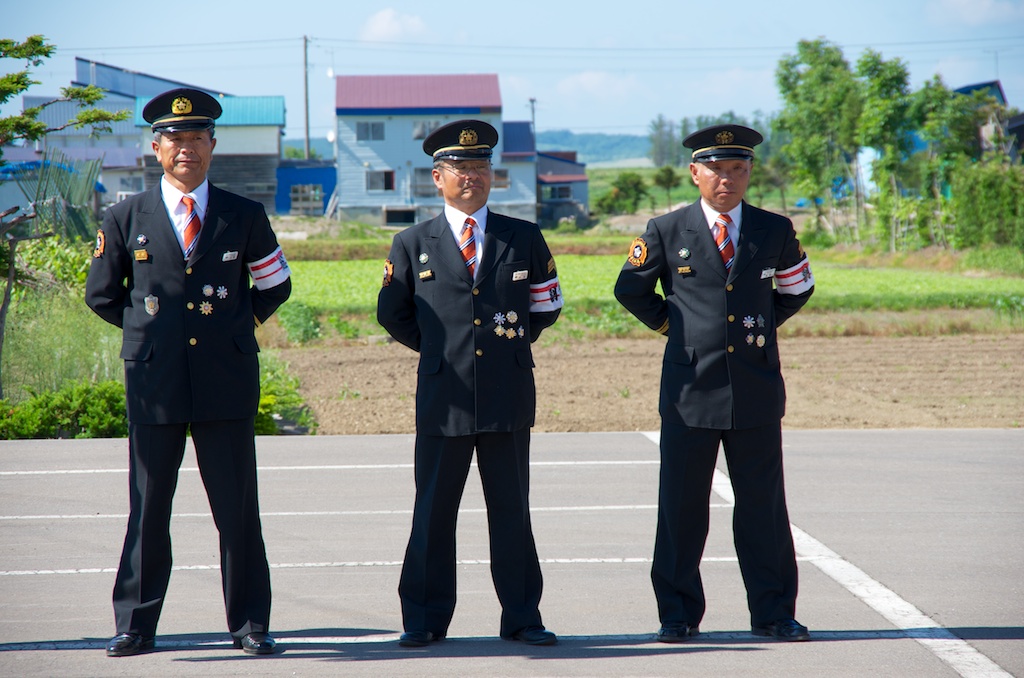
[470,290]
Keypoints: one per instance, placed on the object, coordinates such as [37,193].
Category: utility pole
[305,79]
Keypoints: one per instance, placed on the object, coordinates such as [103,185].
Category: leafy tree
[667,178]
[627,191]
[295,153]
[822,104]
[27,127]
[665,147]
[885,125]
[947,123]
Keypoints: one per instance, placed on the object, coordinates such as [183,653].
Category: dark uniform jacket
[721,366]
[187,327]
[476,367]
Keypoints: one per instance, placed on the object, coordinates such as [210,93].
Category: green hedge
[79,410]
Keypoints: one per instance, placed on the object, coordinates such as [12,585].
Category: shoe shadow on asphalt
[348,644]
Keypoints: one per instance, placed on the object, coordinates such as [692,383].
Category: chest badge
[229,256]
[141,255]
[684,253]
[424,258]
[142,239]
[152,304]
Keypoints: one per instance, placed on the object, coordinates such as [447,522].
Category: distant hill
[590,148]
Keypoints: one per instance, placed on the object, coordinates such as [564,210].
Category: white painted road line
[957,653]
[332,467]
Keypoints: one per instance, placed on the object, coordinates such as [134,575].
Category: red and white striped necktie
[721,232]
[192,226]
[467,245]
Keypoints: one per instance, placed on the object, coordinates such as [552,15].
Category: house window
[380,181]
[501,179]
[423,183]
[369,131]
[422,128]
[557,192]
[399,217]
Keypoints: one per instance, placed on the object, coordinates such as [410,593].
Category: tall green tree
[948,124]
[667,178]
[885,125]
[822,103]
[665,147]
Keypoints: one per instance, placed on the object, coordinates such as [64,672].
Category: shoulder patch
[389,272]
[101,243]
[638,252]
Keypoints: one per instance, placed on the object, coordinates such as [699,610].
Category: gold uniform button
[730,349]
[476,291]
[728,288]
[476,321]
[192,341]
[190,305]
[479,352]
[732,318]
[188,271]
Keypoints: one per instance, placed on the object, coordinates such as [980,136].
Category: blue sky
[589,70]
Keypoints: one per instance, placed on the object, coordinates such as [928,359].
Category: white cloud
[976,12]
[388,25]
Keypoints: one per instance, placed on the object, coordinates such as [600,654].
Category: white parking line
[329,467]
[955,652]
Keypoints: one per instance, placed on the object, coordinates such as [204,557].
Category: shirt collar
[456,218]
[710,214]
[172,196]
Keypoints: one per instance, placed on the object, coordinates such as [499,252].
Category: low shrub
[300,322]
[79,410]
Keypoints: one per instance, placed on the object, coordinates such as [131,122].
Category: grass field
[347,290]
[351,286]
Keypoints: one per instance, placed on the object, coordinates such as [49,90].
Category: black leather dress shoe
[127,644]
[256,643]
[676,633]
[418,638]
[535,635]
[783,629]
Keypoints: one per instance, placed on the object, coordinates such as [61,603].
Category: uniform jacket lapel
[752,233]
[499,236]
[219,214]
[702,242]
[155,224]
[442,248]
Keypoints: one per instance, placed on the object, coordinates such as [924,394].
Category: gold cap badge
[468,137]
[181,106]
[724,137]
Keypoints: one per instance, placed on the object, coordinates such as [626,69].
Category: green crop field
[351,286]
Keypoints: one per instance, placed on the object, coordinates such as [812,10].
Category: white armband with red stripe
[545,296]
[270,271]
[795,280]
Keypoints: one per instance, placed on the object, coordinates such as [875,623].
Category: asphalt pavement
[910,547]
